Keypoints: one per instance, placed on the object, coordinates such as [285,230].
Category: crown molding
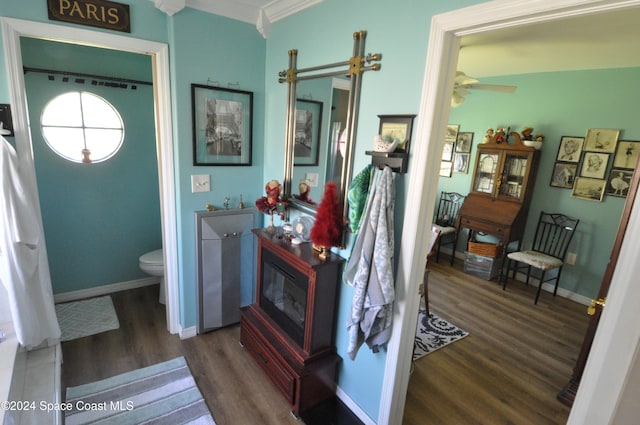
[169,7]
[250,12]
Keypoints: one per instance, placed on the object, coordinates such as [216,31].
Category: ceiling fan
[463,83]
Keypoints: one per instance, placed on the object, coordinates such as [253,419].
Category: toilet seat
[153,258]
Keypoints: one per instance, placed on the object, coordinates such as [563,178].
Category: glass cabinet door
[513,175]
[485,178]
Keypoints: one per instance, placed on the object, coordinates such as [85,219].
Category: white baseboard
[81,294]
[361,414]
[189,332]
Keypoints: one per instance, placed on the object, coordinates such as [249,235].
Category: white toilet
[152,263]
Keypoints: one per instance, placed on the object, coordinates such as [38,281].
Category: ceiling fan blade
[492,87]
[463,79]
[456,99]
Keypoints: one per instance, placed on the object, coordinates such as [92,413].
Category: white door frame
[13,29]
[617,336]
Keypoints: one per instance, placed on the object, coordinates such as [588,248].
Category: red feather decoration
[327,228]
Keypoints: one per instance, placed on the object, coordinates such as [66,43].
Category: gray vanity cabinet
[225,265]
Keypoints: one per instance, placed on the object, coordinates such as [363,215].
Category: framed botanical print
[222,125]
[619,182]
[589,189]
[627,154]
[564,175]
[601,140]
[570,149]
[594,165]
[306,148]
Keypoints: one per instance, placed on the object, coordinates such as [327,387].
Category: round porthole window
[82,127]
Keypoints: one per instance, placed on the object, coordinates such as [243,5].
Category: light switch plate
[312,179]
[200,183]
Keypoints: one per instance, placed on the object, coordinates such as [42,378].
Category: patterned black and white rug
[434,332]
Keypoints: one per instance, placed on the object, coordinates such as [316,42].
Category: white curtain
[24,269]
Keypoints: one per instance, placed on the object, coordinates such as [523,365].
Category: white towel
[370,269]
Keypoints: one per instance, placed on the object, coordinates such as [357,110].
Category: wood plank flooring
[507,371]
[510,368]
[233,385]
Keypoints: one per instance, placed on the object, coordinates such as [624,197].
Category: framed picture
[452,132]
[594,165]
[447,151]
[222,125]
[601,140]
[445,168]
[461,163]
[564,175]
[464,141]
[6,123]
[570,149]
[619,182]
[306,148]
[397,126]
[589,189]
[627,154]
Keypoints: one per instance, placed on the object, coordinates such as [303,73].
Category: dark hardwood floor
[236,390]
[510,368]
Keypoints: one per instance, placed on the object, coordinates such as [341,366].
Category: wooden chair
[434,235]
[550,243]
[445,221]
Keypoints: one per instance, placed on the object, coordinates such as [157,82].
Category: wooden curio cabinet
[289,330]
[501,189]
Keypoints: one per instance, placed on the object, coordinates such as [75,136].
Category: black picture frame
[564,174]
[306,148]
[461,163]
[619,182]
[570,149]
[222,121]
[464,142]
[6,129]
[627,154]
[397,126]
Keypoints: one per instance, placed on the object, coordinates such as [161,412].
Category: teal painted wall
[398,30]
[98,218]
[207,47]
[559,104]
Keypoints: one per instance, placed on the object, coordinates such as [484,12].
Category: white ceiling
[610,40]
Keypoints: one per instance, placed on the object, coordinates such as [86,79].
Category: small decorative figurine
[500,136]
[489,136]
[304,189]
[527,133]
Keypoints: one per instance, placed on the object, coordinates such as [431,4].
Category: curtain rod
[77,74]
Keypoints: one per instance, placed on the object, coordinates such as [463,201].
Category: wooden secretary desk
[501,189]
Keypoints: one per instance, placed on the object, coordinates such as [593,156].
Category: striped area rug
[165,393]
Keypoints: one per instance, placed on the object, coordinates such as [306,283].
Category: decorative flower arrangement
[327,228]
